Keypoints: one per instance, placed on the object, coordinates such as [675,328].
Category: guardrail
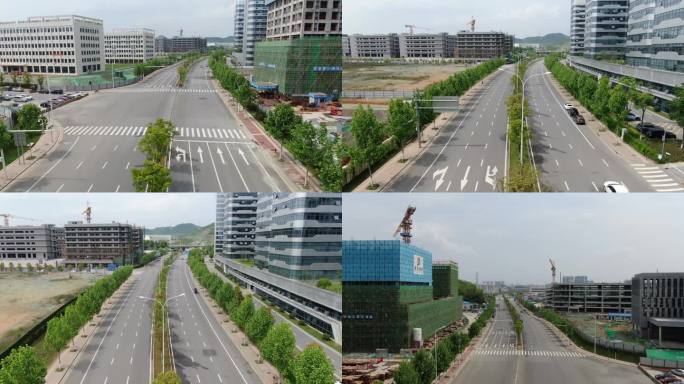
[657,363]
[632,348]
[377,94]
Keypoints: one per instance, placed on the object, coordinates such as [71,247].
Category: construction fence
[658,363]
[613,345]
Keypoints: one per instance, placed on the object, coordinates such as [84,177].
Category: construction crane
[406,225]
[553,270]
[88,212]
[412,27]
[7,216]
[471,24]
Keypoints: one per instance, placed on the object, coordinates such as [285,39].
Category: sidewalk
[267,373]
[291,170]
[393,168]
[76,346]
[462,359]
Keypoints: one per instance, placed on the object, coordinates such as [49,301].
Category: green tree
[312,366]
[305,146]
[368,136]
[157,140]
[140,70]
[225,294]
[618,103]
[323,283]
[56,337]
[15,78]
[40,80]
[245,96]
[601,97]
[152,177]
[424,364]
[676,108]
[280,121]
[259,325]
[278,346]
[22,366]
[30,117]
[168,377]
[444,355]
[406,374]
[2,266]
[29,267]
[244,312]
[26,80]
[401,121]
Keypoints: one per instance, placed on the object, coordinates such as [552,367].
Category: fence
[93,87]
[620,346]
[377,94]
[657,363]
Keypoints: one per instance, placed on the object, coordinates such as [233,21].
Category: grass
[160,338]
[335,286]
[247,262]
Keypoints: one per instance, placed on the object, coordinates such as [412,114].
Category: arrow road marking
[243,156]
[441,173]
[464,182]
[491,174]
[199,152]
[220,153]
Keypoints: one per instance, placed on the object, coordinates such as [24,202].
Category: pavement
[544,358]
[574,158]
[212,151]
[203,351]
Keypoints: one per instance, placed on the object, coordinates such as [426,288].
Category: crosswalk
[181,132]
[528,353]
[657,178]
[162,90]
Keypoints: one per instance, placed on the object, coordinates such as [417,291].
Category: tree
[56,336]
[368,136]
[278,346]
[22,366]
[305,146]
[140,70]
[601,97]
[618,103]
[244,313]
[157,140]
[245,96]
[169,377]
[152,177]
[406,374]
[224,295]
[676,108]
[401,122]
[40,80]
[259,325]
[49,268]
[15,78]
[312,366]
[424,364]
[30,117]
[11,266]
[29,267]
[444,355]
[324,283]
[26,80]
[2,266]
[280,121]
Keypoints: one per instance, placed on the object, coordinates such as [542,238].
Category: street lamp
[163,305]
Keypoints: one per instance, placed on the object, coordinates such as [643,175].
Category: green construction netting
[665,354]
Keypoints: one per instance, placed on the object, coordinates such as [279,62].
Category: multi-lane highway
[119,351]
[469,154]
[212,151]
[545,358]
[203,352]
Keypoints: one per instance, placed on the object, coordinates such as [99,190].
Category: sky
[522,18]
[166,17]
[149,210]
[512,237]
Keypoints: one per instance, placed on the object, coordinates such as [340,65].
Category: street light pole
[163,305]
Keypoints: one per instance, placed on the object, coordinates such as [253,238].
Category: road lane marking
[79,165]
[566,186]
[557,163]
[91,188]
[580,163]
[218,180]
[105,164]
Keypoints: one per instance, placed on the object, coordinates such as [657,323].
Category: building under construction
[394,297]
[483,45]
[97,245]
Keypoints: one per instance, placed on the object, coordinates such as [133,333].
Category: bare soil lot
[26,299]
[395,77]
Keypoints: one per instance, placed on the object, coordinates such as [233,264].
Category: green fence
[665,354]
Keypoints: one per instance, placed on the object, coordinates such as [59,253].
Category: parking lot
[16,98]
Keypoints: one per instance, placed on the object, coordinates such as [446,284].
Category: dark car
[196,291]
[632,117]
[651,130]
[57,92]
[572,112]
[578,119]
[44,91]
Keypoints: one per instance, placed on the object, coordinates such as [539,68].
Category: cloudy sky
[166,17]
[152,210]
[512,237]
[522,18]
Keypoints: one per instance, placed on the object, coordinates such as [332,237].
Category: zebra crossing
[181,132]
[162,90]
[657,178]
[528,353]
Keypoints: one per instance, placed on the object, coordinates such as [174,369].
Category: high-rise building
[236,224]
[129,45]
[254,29]
[30,243]
[605,28]
[658,306]
[60,45]
[656,35]
[578,14]
[239,23]
[102,244]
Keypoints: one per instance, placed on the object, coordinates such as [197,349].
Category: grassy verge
[517,321]
[161,333]
[247,262]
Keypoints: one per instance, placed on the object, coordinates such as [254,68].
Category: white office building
[239,23]
[655,38]
[424,45]
[256,12]
[605,32]
[60,45]
[236,224]
[128,46]
[30,243]
[578,14]
[374,46]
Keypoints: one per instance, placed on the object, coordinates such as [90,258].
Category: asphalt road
[119,351]
[469,155]
[545,359]
[212,151]
[202,351]
[573,158]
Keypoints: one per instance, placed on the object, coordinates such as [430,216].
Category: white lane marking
[218,179]
[106,380]
[60,188]
[198,379]
[557,163]
[566,186]
[570,145]
[219,376]
[605,163]
[111,362]
[79,165]
[91,188]
[580,163]
[459,163]
[595,187]
[105,164]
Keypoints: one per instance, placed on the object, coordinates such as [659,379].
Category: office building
[162,45]
[59,45]
[424,45]
[236,225]
[492,287]
[576,279]
[481,45]
[578,14]
[590,297]
[179,44]
[128,46]
[658,306]
[346,46]
[30,243]
[97,245]
[239,24]
[302,50]
[254,29]
[393,296]
[605,28]
[374,46]
[656,35]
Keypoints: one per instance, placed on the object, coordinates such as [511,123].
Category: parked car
[578,119]
[632,117]
[651,130]
[567,106]
[44,91]
[677,372]
[614,187]
[196,290]
[57,92]
[572,112]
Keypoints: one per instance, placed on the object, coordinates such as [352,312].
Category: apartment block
[482,45]
[239,23]
[102,244]
[374,46]
[128,46]
[256,12]
[578,15]
[591,297]
[236,225]
[658,306]
[605,33]
[55,45]
[31,243]
[288,19]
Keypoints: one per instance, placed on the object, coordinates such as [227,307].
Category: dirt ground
[623,330]
[25,299]
[395,77]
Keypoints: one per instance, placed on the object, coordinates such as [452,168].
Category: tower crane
[88,212]
[406,225]
[553,270]
[471,24]
[7,216]
[412,27]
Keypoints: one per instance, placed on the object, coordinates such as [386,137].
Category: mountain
[221,40]
[552,39]
[201,235]
[179,230]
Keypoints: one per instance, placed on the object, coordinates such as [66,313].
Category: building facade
[102,244]
[591,297]
[658,305]
[129,45]
[424,45]
[237,214]
[578,15]
[374,46]
[30,243]
[481,45]
[291,19]
[239,23]
[605,33]
[56,45]
[256,12]
[656,35]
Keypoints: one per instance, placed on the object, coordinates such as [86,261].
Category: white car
[568,106]
[614,187]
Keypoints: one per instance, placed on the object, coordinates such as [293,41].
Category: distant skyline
[512,237]
[148,210]
[166,17]
[522,18]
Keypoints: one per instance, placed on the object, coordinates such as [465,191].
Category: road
[203,352]
[212,151]
[469,154]
[302,338]
[119,351]
[544,359]
[573,158]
